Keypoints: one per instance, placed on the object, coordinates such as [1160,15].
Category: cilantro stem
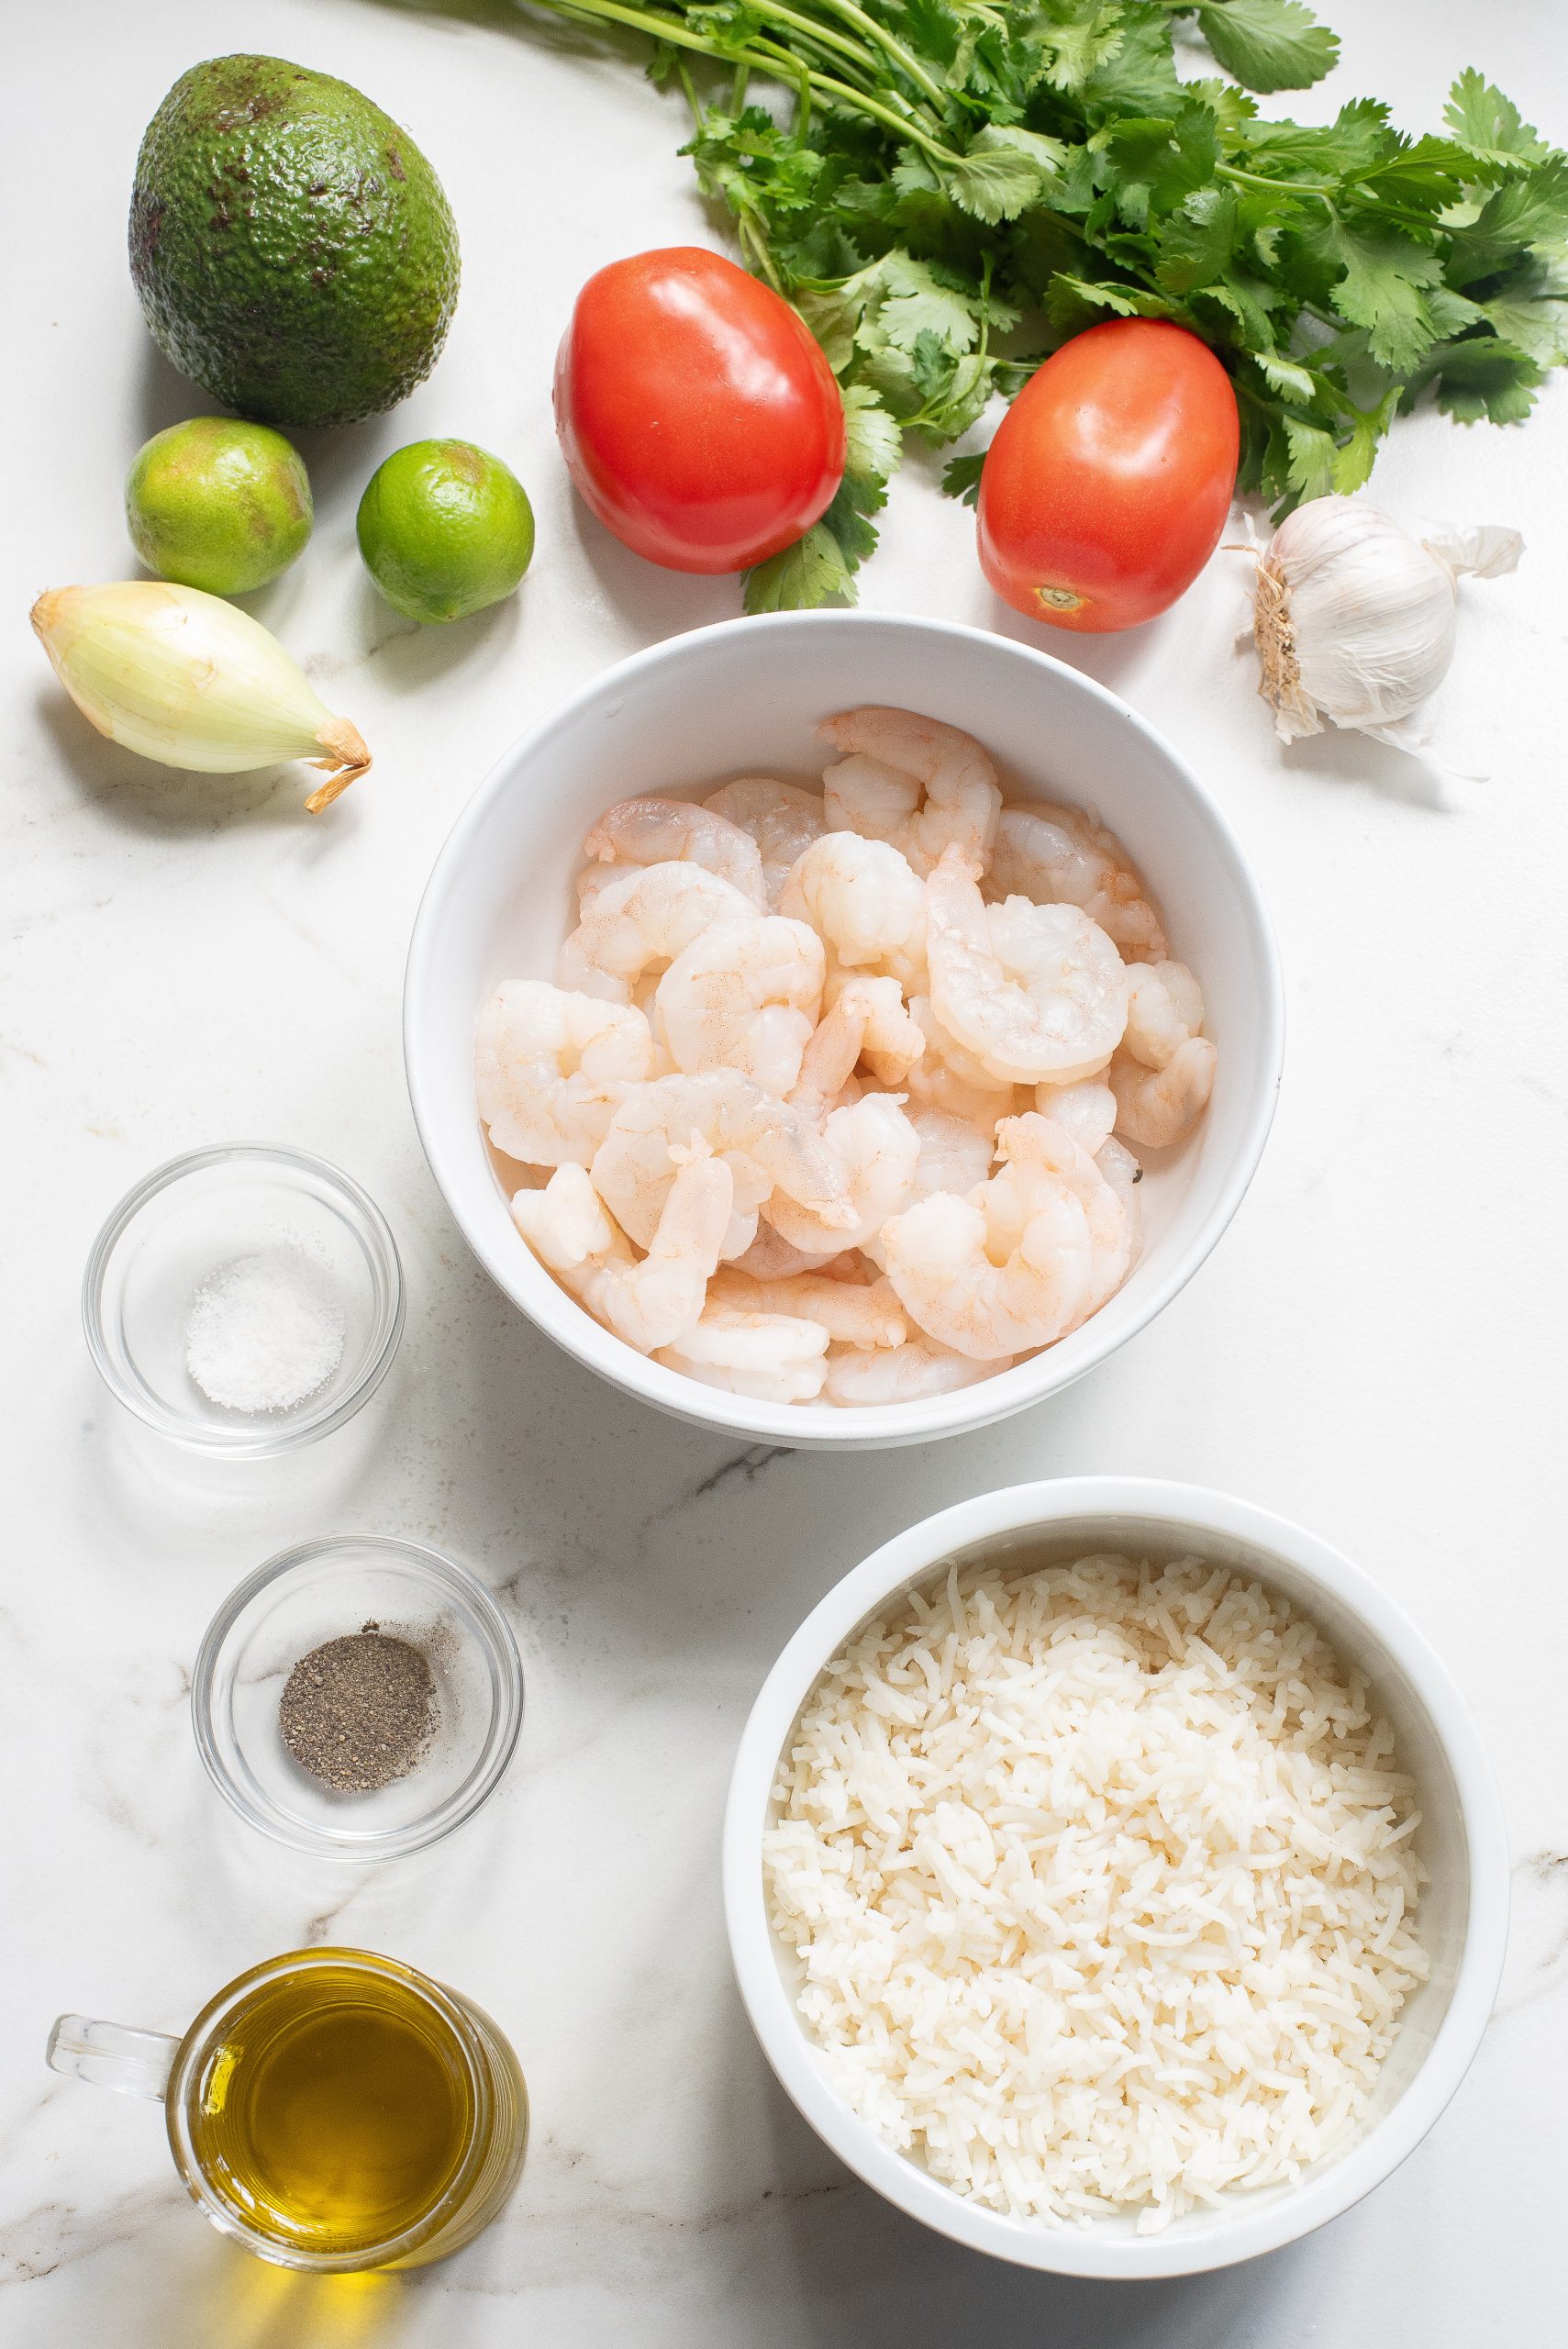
[1240,178]
[893,48]
[772,57]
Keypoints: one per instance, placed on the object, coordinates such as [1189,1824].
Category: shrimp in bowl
[839,1096]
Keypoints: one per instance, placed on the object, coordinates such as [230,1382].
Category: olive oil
[335,2110]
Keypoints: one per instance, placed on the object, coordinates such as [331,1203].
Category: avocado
[294,251]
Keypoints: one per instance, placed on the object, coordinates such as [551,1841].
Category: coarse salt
[263,1331]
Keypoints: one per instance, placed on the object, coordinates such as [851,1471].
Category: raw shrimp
[1038,1158]
[1155,1107]
[991,1296]
[638,924]
[1034,991]
[1061,856]
[905,1373]
[866,1016]
[772,1357]
[770,1149]
[853,1313]
[649,1302]
[744,995]
[875,1151]
[947,1077]
[1165,1007]
[781,818]
[911,781]
[550,1069]
[1163,1074]
[677,831]
[867,901]
[955,1154]
[1086,1110]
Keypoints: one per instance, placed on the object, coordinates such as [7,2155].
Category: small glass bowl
[190,1220]
[322,1591]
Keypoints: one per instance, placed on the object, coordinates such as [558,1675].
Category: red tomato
[1106,490]
[699,418]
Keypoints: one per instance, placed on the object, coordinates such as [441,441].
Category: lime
[218,505]
[445,529]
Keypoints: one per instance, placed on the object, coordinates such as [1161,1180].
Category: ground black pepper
[357,1712]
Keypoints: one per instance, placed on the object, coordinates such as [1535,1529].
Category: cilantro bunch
[947,189]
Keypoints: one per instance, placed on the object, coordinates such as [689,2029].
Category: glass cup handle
[108,2055]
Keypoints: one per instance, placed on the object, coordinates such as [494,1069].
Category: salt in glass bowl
[190,1220]
[327,1590]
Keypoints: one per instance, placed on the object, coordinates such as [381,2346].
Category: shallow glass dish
[189,1221]
[325,1590]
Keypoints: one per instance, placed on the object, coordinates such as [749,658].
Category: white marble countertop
[1376,1347]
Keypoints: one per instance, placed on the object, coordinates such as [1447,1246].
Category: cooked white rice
[1100,1880]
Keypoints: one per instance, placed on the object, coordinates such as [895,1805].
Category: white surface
[1375,1348]
[720,702]
[1462,1842]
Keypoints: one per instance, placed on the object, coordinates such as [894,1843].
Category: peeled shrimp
[1163,1074]
[905,1373]
[868,902]
[1034,991]
[990,1296]
[772,1357]
[949,1078]
[853,1313]
[550,1069]
[638,924]
[771,1257]
[1155,1107]
[875,1151]
[676,831]
[1165,1007]
[1061,856]
[650,1301]
[746,994]
[781,818]
[921,785]
[1038,1158]
[1086,1110]
[770,1149]
[865,1018]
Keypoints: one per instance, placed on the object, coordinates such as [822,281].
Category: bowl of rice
[1114,1877]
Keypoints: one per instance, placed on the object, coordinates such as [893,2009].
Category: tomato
[1106,490]
[699,418]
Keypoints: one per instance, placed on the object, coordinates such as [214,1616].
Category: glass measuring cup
[330,2110]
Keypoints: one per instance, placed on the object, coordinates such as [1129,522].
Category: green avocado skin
[294,253]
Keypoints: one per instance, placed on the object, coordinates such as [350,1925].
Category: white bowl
[744,697]
[1462,1921]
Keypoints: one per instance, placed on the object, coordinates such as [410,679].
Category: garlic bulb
[182,676]
[1354,619]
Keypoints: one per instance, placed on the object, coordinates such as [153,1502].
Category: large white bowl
[746,698]
[1463,1919]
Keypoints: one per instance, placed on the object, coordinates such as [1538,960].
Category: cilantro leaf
[874,445]
[1526,212]
[1488,123]
[1269,44]
[1381,281]
[1196,243]
[1479,376]
[804,577]
[961,477]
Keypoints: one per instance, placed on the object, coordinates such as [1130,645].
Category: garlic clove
[186,678]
